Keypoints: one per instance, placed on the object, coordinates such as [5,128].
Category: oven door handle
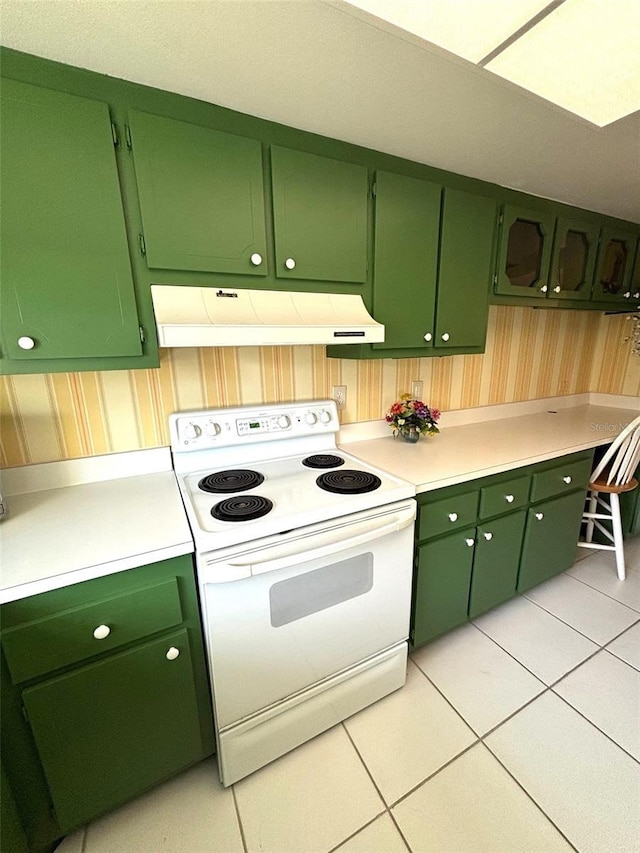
[312,547]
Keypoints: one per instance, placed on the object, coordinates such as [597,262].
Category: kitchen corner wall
[530,354]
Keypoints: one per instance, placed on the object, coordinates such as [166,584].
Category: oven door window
[300,596]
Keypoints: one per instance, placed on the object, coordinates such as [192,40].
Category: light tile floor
[518,732]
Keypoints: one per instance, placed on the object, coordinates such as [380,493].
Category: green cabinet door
[441,585]
[320,217]
[407,224]
[464,274]
[573,259]
[614,266]
[524,252]
[550,538]
[107,731]
[67,287]
[495,562]
[201,197]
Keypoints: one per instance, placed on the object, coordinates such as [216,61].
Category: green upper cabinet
[432,253]
[320,217]
[405,267]
[201,197]
[67,284]
[573,259]
[614,267]
[464,273]
[524,252]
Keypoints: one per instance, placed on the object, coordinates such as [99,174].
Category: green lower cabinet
[104,694]
[495,562]
[109,730]
[441,591]
[550,539]
[12,836]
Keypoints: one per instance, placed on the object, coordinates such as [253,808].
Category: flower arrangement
[414,415]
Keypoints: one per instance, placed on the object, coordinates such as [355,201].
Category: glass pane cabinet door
[524,253]
[573,260]
[613,272]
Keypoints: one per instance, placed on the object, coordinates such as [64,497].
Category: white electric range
[304,559]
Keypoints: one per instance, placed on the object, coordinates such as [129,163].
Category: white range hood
[213,317]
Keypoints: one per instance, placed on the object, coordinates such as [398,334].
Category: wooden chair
[612,476]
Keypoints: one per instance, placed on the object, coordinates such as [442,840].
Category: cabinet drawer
[561,479]
[447,514]
[66,637]
[502,497]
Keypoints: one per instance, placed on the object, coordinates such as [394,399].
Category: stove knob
[284,421]
[192,431]
[212,429]
[325,417]
[310,418]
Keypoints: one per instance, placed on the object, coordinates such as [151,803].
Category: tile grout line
[239,819]
[606,594]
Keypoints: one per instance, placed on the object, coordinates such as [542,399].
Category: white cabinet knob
[539,516]
[470,542]
[102,632]
[544,288]
[256,259]
[557,288]
[26,342]
[508,499]
[453,516]
[627,295]
[566,480]
[290,264]
[488,536]
[428,337]
[173,653]
[636,295]
[445,336]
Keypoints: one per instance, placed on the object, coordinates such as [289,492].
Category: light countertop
[52,537]
[472,450]
[72,521]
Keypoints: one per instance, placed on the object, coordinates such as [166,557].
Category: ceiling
[328,67]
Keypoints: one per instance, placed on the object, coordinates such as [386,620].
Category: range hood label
[348,334]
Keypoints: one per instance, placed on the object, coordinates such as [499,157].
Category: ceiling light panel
[584,56]
[468,28]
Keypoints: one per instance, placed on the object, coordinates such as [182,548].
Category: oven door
[317,601]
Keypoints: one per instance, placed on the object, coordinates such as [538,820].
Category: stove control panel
[226,427]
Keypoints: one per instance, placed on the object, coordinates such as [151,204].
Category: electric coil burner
[239,480]
[348,482]
[242,508]
[305,603]
[323,460]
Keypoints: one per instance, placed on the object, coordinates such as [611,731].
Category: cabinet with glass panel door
[614,267]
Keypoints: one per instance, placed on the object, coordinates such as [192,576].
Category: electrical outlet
[416,389]
[340,396]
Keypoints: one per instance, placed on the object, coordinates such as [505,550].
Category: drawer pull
[102,632]
[508,499]
[256,259]
[539,516]
[290,264]
[488,536]
[173,653]
[453,516]
[566,480]
[470,542]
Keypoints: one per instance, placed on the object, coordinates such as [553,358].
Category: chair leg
[616,521]
[593,504]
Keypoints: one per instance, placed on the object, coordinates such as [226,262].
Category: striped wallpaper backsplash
[530,354]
